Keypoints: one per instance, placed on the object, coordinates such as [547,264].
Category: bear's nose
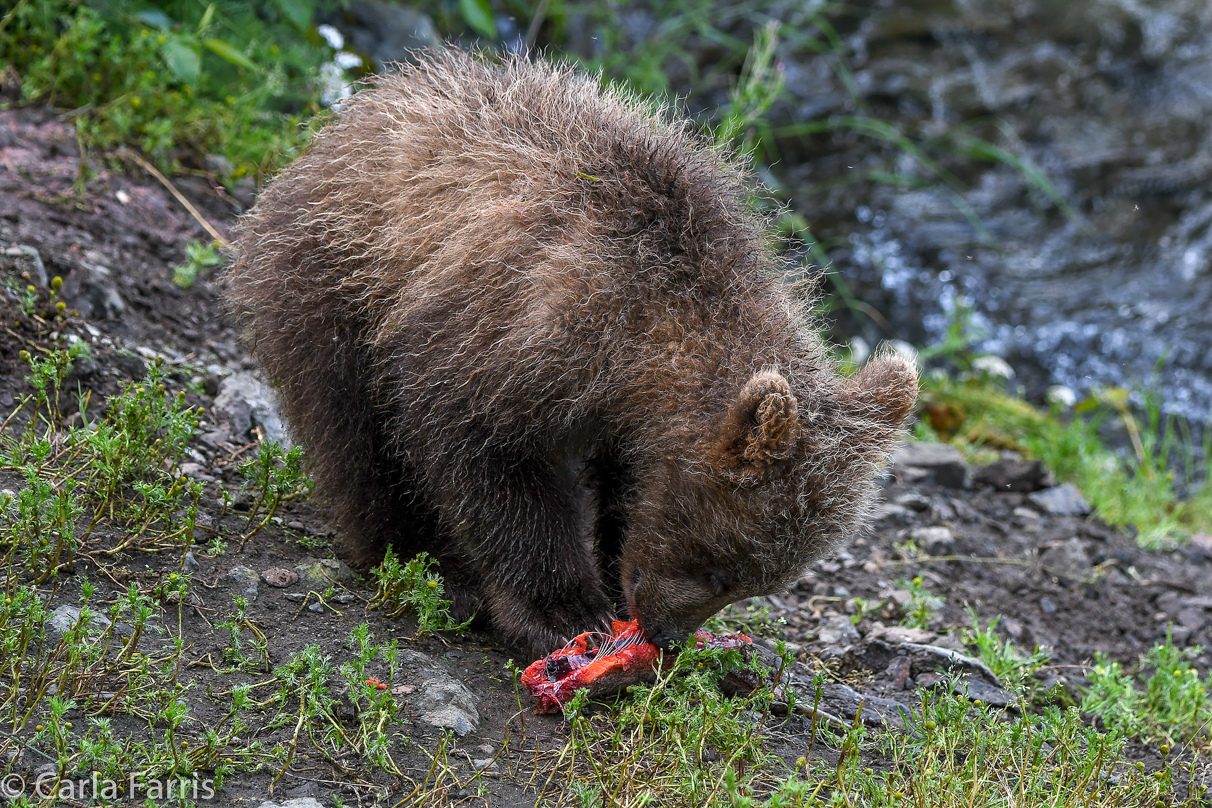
[668,637]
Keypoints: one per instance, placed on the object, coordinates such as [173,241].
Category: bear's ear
[760,425]
[885,389]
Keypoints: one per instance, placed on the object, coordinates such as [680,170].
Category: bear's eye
[717,583]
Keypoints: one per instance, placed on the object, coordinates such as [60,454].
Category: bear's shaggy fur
[533,327]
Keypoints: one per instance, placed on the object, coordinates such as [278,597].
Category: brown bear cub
[533,327]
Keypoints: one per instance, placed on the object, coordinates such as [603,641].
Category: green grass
[106,489]
[1174,707]
[1136,489]
[414,587]
[676,742]
[923,606]
[1015,669]
[679,743]
[177,80]
[199,259]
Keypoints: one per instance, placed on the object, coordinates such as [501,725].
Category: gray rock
[218,164]
[444,702]
[280,578]
[914,502]
[325,571]
[298,802]
[1203,541]
[190,565]
[841,701]
[901,597]
[244,582]
[131,365]
[244,191]
[943,464]
[976,689]
[27,259]
[1063,500]
[891,512]
[1011,474]
[1068,558]
[837,630]
[901,634]
[1170,602]
[63,618]
[933,540]
[939,657]
[1192,619]
[951,642]
[386,31]
[244,401]
[90,290]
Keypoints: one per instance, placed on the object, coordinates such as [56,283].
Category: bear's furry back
[475,257]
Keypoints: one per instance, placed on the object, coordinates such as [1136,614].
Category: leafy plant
[759,86]
[1138,489]
[178,80]
[923,604]
[1175,705]
[305,697]
[1014,668]
[414,587]
[199,259]
[276,477]
[236,625]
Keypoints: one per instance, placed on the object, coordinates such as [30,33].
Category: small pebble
[281,578]
[190,565]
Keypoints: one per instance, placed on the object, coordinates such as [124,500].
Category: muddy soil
[1065,582]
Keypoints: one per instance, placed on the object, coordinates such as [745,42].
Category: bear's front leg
[526,527]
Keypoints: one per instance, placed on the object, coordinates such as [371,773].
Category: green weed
[1015,669]
[414,587]
[1140,489]
[199,259]
[678,741]
[759,86]
[1175,705]
[275,477]
[304,695]
[924,605]
[751,617]
[236,625]
[120,657]
[175,79]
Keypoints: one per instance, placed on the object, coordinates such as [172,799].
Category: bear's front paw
[541,630]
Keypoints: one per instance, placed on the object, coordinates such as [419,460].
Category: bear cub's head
[786,474]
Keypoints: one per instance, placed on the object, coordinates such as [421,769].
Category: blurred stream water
[1110,99]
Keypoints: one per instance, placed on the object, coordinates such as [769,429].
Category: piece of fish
[605,664]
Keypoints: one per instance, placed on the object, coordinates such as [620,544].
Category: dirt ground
[1065,582]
